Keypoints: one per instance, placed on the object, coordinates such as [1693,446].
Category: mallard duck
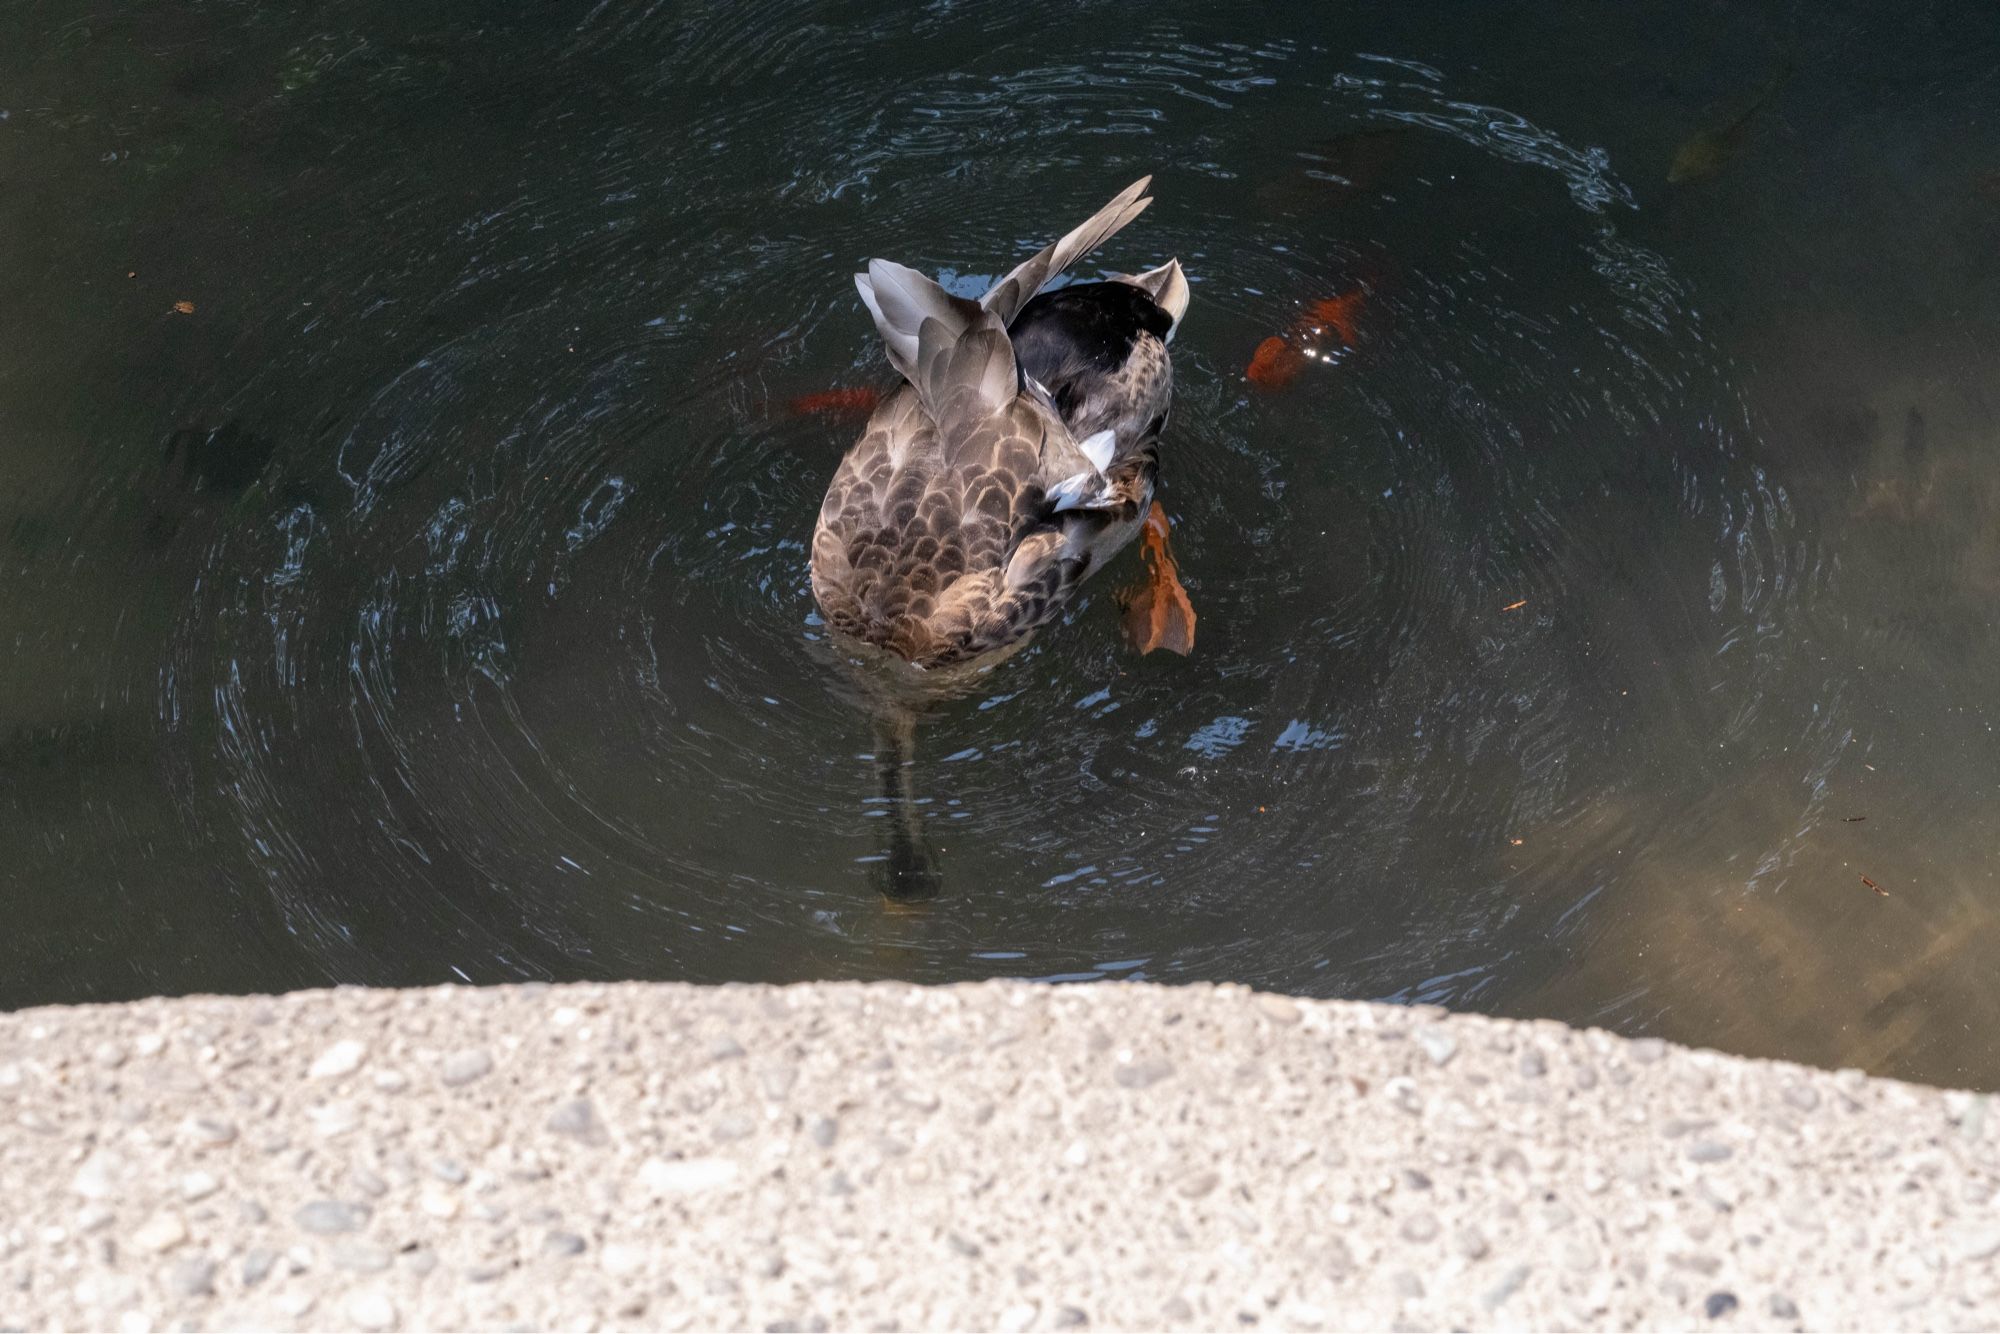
[1017,458]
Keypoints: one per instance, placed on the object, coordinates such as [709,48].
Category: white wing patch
[1098,449]
[1088,490]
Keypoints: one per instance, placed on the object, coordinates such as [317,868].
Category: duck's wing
[1019,287]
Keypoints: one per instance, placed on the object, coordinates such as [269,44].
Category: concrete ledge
[992,1156]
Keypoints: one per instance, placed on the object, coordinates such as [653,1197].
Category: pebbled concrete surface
[994,1156]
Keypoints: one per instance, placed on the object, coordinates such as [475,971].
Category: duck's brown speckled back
[938,540]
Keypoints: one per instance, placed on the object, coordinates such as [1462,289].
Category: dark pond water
[428,601]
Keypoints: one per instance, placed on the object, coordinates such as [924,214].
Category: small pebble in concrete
[192,1277]
[362,1257]
[1278,1009]
[1402,1091]
[1782,1308]
[368,1183]
[1142,1074]
[734,1126]
[686,1176]
[1421,1227]
[1197,1184]
[577,1119]
[1471,1243]
[824,1131]
[1071,1317]
[372,1310]
[329,1216]
[620,1259]
[162,1232]
[1438,1043]
[206,1130]
[564,1243]
[1978,1246]
[101,1176]
[725,1049]
[968,1249]
[342,1058]
[1646,1051]
[1532,1065]
[1709,1151]
[462,1067]
[777,1080]
[1497,1295]
[1719,1304]
[448,1170]
[199,1186]
[257,1262]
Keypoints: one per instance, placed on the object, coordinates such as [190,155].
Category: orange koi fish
[1279,358]
[837,403]
[1157,611]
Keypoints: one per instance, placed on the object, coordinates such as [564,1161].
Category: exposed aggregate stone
[998,1156]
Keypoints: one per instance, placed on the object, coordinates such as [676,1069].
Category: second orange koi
[1279,358]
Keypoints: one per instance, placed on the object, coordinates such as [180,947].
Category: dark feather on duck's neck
[1090,323]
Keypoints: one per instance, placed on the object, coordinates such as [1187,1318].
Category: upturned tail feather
[1006,297]
[942,343]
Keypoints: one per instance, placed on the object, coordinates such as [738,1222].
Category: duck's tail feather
[1014,291]
[1168,287]
[901,300]
[954,353]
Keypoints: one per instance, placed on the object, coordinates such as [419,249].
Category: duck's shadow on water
[897,699]
[908,869]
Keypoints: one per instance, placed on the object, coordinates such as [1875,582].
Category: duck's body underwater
[1018,456]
